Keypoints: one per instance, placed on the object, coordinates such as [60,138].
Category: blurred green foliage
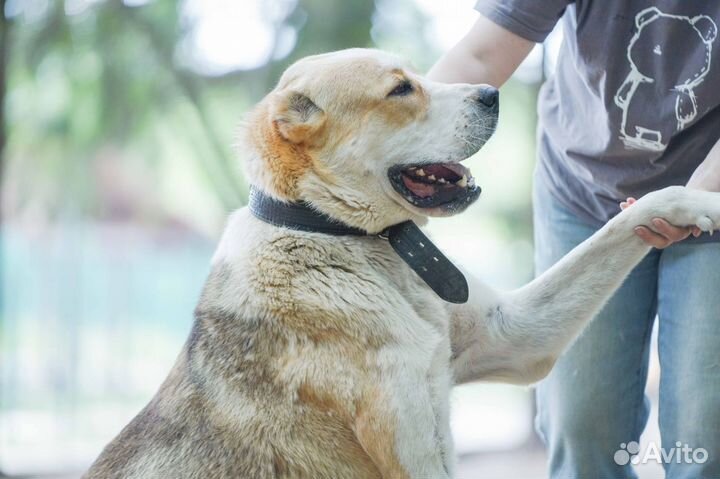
[104,77]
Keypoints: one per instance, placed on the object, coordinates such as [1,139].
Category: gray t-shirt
[634,104]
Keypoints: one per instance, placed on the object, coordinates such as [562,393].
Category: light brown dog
[326,357]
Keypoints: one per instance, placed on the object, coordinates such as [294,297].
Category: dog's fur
[316,356]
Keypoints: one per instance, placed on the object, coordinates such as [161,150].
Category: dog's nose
[488,96]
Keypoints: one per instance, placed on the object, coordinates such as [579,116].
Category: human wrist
[705,181]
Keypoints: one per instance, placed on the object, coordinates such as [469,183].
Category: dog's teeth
[420,172]
[431,177]
[412,169]
[462,182]
[471,182]
[442,181]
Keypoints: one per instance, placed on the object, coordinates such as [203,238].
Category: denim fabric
[594,399]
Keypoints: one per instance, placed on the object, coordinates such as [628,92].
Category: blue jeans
[594,400]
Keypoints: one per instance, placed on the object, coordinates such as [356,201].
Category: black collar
[297,216]
[406,239]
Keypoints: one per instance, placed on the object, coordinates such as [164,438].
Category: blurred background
[118,171]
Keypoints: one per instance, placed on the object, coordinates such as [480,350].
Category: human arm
[707,176]
[488,53]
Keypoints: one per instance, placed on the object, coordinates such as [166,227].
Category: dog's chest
[428,311]
[428,307]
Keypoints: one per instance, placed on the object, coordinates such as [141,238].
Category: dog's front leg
[398,422]
[518,336]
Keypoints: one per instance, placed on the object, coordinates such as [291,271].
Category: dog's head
[368,142]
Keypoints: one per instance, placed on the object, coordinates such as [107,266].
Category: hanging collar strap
[438,272]
[408,241]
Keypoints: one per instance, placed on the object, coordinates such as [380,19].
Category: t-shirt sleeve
[530,19]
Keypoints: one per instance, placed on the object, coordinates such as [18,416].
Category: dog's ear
[297,117]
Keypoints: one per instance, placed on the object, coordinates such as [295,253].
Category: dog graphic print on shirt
[656,91]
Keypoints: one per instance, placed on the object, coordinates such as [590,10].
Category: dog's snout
[488,96]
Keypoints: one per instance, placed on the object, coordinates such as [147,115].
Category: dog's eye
[405,88]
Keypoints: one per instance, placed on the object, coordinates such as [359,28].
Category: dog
[317,355]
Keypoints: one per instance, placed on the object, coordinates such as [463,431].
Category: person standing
[634,106]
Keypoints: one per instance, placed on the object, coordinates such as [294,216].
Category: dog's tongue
[422,190]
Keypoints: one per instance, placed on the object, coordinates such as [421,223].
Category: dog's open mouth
[432,185]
